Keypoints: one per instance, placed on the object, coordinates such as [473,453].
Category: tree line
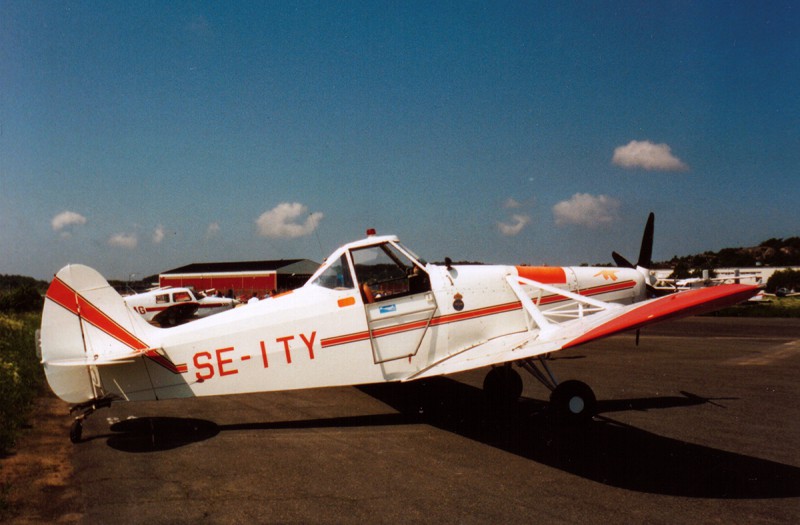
[25,294]
[21,294]
[772,252]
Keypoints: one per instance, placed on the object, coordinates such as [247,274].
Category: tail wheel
[76,430]
[502,386]
[573,401]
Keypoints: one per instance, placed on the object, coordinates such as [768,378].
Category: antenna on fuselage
[322,253]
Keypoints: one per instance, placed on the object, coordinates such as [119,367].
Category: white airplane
[689,283]
[783,292]
[373,312]
[170,306]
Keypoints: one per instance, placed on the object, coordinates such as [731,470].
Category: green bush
[24,298]
[789,279]
[21,374]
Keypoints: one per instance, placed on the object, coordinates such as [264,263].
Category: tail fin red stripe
[60,293]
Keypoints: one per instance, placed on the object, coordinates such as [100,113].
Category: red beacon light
[370,232]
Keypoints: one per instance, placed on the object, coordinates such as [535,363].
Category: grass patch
[21,378]
[21,375]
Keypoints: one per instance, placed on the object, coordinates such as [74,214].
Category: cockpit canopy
[379,267]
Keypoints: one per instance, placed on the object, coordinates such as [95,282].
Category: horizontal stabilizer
[97,360]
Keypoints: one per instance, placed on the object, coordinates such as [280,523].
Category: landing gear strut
[86,409]
[572,401]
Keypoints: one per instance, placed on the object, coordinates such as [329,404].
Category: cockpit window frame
[346,273]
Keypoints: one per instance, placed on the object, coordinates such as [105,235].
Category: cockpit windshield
[421,261]
[384,271]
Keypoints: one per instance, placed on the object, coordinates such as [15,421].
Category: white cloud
[158,234]
[123,240]
[510,203]
[212,230]
[644,154]
[518,223]
[67,218]
[586,210]
[281,221]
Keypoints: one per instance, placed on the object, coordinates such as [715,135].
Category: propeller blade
[621,261]
[646,251]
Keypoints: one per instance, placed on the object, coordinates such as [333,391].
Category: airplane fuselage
[323,335]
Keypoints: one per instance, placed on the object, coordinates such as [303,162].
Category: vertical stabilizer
[85,323]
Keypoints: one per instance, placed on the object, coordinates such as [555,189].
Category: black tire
[75,431]
[573,402]
[502,386]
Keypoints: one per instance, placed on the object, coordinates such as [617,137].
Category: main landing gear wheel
[502,386]
[573,402]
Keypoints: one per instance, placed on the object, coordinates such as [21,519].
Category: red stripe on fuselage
[588,292]
[605,288]
[465,316]
[417,325]
[162,360]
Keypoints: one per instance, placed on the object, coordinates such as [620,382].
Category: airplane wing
[606,320]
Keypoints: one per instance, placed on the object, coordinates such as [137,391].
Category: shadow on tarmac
[154,434]
[602,450]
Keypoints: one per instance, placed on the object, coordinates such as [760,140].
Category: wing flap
[481,355]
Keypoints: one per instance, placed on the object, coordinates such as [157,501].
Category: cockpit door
[398,300]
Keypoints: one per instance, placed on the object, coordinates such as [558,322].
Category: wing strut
[583,305]
[536,314]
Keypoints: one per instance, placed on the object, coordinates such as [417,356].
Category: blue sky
[140,136]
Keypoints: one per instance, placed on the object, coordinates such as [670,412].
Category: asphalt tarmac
[698,424]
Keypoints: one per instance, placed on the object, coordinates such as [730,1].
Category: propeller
[621,261]
[645,251]
[645,257]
